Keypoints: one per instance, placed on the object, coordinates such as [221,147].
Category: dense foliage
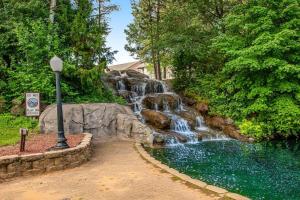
[262,71]
[240,56]
[143,35]
[28,39]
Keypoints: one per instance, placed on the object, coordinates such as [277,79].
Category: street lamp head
[56,64]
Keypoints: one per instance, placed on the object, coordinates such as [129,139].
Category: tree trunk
[154,64]
[152,40]
[158,66]
[99,12]
[157,39]
[165,73]
[52,11]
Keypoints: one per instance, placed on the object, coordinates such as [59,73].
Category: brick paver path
[116,172]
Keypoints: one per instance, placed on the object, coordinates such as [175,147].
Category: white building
[137,66]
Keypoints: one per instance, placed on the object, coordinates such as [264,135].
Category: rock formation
[102,120]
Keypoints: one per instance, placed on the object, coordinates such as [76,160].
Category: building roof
[126,66]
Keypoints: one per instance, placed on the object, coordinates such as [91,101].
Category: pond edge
[224,194]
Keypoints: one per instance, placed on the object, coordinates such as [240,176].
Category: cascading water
[180,125]
[155,106]
[166,106]
[216,137]
[179,105]
[139,89]
[137,108]
[200,125]
[136,90]
[153,87]
[120,85]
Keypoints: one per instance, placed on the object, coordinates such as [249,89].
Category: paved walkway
[116,172]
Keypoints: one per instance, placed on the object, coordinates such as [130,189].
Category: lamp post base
[61,145]
[61,142]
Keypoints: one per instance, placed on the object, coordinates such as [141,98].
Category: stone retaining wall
[222,193]
[31,164]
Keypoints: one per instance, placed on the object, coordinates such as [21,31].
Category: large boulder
[157,119]
[215,122]
[113,73]
[110,120]
[226,125]
[135,74]
[188,101]
[201,108]
[130,82]
[161,100]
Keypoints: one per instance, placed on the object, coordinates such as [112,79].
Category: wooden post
[23,134]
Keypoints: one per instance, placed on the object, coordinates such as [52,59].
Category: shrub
[251,129]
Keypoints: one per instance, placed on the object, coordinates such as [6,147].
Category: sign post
[23,134]
[32,104]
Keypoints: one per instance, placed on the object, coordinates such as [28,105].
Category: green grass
[9,136]
[10,125]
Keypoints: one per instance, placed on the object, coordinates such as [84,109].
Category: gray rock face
[110,120]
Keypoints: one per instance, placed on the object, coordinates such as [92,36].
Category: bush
[251,129]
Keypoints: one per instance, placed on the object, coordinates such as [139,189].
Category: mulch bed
[39,144]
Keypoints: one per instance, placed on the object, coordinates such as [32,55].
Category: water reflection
[269,170]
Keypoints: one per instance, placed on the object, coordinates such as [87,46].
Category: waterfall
[155,106]
[217,137]
[179,105]
[172,141]
[159,88]
[161,99]
[166,106]
[132,99]
[137,108]
[155,87]
[200,125]
[180,125]
[139,89]
[120,85]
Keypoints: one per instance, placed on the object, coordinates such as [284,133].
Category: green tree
[262,72]
[143,35]
[32,31]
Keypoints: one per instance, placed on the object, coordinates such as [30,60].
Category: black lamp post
[57,66]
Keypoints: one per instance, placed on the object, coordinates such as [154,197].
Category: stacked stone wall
[32,164]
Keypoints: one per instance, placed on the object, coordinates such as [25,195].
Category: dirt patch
[39,144]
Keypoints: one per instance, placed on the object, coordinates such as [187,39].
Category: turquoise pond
[269,170]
